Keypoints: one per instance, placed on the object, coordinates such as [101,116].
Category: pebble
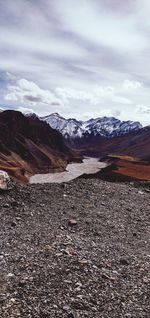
[66,307]
[10,275]
[72,222]
[68,282]
[71,315]
[123,261]
[141,192]
[6,205]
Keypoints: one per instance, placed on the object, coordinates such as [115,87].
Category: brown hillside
[29,146]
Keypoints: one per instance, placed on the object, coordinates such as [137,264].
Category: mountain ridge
[108,127]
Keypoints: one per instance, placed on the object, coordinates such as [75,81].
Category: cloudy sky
[80,58]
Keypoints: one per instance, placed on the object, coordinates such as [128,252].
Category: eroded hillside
[29,146]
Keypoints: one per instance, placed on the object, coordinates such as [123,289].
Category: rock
[134,234]
[123,261]
[147,190]
[21,283]
[66,307]
[4,180]
[84,262]
[105,276]
[71,315]
[67,271]
[72,222]
[10,275]
[6,205]
[129,209]
[141,192]
[13,224]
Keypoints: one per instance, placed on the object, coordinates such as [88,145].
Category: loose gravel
[74,250]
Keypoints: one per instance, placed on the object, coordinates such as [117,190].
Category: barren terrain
[75,250]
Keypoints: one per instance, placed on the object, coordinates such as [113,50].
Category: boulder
[4,180]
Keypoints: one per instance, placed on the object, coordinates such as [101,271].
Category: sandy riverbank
[73,170]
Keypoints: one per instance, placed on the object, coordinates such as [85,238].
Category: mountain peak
[103,126]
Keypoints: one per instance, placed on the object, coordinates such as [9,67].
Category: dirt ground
[74,250]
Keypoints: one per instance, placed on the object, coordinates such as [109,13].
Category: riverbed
[73,170]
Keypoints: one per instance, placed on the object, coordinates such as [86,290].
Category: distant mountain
[29,145]
[135,144]
[128,155]
[124,145]
[108,127]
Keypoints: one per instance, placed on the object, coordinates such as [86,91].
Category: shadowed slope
[28,146]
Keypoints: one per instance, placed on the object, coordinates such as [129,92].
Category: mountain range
[30,145]
[124,144]
[108,127]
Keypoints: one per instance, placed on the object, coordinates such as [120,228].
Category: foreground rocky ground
[75,250]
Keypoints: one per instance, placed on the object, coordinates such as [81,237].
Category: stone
[66,307]
[10,275]
[123,261]
[71,315]
[6,205]
[72,222]
[141,192]
[4,180]
[84,262]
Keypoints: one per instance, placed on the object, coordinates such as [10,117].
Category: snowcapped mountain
[105,126]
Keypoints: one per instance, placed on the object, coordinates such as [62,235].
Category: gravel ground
[75,250]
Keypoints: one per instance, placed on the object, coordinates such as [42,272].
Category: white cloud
[127,84]
[28,92]
[94,96]
[78,56]
[141,109]
[33,44]
[102,112]
[96,25]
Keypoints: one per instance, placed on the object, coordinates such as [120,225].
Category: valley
[74,230]
[29,146]
[124,145]
[74,159]
[73,171]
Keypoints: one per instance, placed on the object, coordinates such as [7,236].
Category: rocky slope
[75,250]
[105,126]
[29,145]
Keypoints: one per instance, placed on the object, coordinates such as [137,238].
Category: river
[73,170]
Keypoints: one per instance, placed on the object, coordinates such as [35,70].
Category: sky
[80,58]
